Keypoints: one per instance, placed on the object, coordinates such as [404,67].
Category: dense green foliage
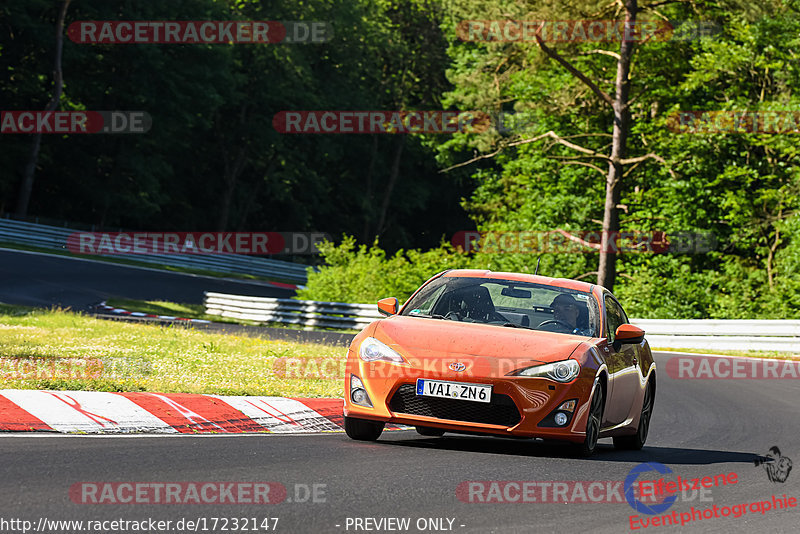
[213,105]
[364,274]
[212,160]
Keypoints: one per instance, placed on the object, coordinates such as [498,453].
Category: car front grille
[500,411]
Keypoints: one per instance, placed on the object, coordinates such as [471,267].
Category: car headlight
[372,350]
[564,371]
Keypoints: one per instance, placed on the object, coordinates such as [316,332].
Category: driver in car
[565,314]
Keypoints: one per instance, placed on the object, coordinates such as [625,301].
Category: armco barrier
[54,237]
[779,335]
[723,334]
[307,313]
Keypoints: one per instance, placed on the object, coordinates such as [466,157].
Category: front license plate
[454,390]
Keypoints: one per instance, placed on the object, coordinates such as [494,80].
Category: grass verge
[62,350]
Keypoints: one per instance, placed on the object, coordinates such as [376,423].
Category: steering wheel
[488,317]
[457,316]
[556,321]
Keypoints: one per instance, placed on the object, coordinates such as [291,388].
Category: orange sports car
[505,354]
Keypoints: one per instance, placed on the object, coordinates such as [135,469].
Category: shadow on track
[605,451]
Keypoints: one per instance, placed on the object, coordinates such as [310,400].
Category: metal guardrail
[721,327]
[55,238]
[308,313]
[724,334]
[720,334]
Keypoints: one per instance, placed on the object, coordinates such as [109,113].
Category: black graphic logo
[777,467]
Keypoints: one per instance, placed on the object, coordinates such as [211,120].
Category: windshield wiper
[434,316]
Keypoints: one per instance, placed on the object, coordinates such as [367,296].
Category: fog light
[359,396]
[561,418]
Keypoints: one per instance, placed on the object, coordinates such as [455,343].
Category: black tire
[362,429]
[593,423]
[637,441]
[430,432]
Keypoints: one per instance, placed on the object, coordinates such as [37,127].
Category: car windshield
[507,303]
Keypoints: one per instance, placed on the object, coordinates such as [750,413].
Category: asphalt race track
[699,428]
[44,280]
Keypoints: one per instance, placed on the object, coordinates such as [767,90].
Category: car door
[622,364]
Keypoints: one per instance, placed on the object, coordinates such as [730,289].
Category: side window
[614,317]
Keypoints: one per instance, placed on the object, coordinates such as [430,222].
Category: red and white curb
[104,308]
[96,412]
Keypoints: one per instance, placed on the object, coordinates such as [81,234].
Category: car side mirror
[627,333]
[388,306]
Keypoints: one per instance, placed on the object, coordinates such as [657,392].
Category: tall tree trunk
[368,208]
[233,165]
[607,269]
[232,171]
[26,188]
[395,173]
[253,196]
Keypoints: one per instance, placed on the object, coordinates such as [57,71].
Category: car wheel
[363,430]
[636,441]
[428,431]
[589,444]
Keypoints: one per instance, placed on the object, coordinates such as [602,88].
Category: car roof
[565,283]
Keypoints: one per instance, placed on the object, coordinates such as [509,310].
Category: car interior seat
[473,302]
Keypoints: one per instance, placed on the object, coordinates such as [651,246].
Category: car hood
[484,348]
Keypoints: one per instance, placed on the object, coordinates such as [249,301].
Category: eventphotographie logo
[631,482]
